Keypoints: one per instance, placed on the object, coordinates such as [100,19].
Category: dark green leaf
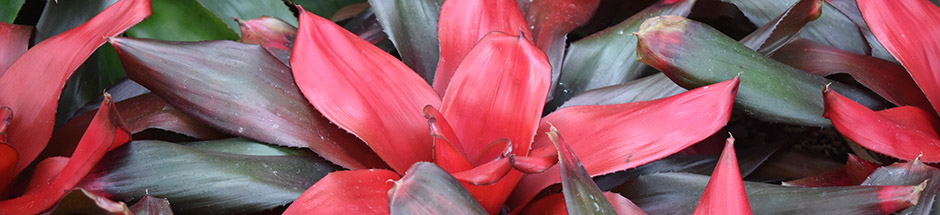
[694,54]
[582,196]
[150,205]
[9,9]
[609,57]
[182,20]
[652,87]
[57,17]
[412,27]
[80,201]
[428,189]
[832,28]
[677,193]
[849,8]
[197,181]
[776,33]
[242,90]
[247,147]
[225,10]
[325,8]
[781,166]
[910,173]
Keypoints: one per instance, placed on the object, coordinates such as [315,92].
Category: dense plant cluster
[469,107]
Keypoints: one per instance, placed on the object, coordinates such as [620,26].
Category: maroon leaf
[428,189]
[776,33]
[853,173]
[274,35]
[80,201]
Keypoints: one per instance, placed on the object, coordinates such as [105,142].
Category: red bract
[31,86]
[489,113]
[908,29]
[724,193]
[14,44]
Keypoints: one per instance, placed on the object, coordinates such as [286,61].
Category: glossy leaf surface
[693,54]
[365,191]
[582,196]
[241,90]
[412,27]
[629,135]
[16,40]
[348,80]
[724,193]
[779,31]
[652,87]
[47,66]
[182,20]
[909,29]
[831,28]
[226,10]
[428,189]
[676,193]
[204,182]
[609,57]
[910,173]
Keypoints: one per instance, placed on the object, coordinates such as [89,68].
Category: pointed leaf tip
[725,193]
[428,189]
[582,196]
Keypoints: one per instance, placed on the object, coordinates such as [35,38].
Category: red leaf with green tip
[14,44]
[779,31]
[582,196]
[886,78]
[428,189]
[725,193]
[105,132]
[903,132]
[910,173]
[273,34]
[347,80]
[853,173]
[908,30]
[47,66]
[463,23]
[550,22]
[342,192]
[628,135]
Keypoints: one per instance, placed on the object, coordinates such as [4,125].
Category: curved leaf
[8,157]
[676,193]
[910,173]
[904,132]
[724,193]
[550,22]
[364,191]
[226,10]
[197,181]
[779,31]
[693,54]
[14,44]
[182,20]
[242,90]
[412,27]
[652,87]
[609,57]
[105,133]
[363,90]
[831,28]
[9,9]
[47,66]
[850,9]
[428,189]
[582,196]
[909,29]
[628,135]
[273,34]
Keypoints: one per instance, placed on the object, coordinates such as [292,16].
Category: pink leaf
[360,191]
[724,193]
[14,44]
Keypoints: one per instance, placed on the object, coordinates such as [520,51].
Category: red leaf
[45,173]
[448,153]
[364,90]
[624,136]
[31,86]
[724,193]
[555,204]
[551,20]
[902,132]
[908,30]
[8,158]
[487,173]
[105,132]
[464,22]
[364,191]
[14,44]
[274,35]
[538,161]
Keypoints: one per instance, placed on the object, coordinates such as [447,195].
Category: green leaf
[412,27]
[677,193]
[197,181]
[779,31]
[693,54]
[832,28]
[182,20]
[241,90]
[225,10]
[651,87]
[582,196]
[428,189]
[609,57]
[910,173]
[9,9]
[325,8]
[247,147]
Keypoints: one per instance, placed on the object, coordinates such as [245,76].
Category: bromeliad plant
[460,124]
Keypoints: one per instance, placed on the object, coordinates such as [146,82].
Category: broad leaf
[628,135]
[349,81]
[831,28]
[325,8]
[246,147]
[886,78]
[105,133]
[582,196]
[909,29]
[550,22]
[724,193]
[231,10]
[16,40]
[9,9]
[412,27]
[609,57]
[273,34]
[47,66]
[428,189]
[652,87]
[849,8]
[693,54]
[364,191]
[903,132]
[242,90]
[910,173]
[182,20]
[197,181]
[779,31]
[676,193]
